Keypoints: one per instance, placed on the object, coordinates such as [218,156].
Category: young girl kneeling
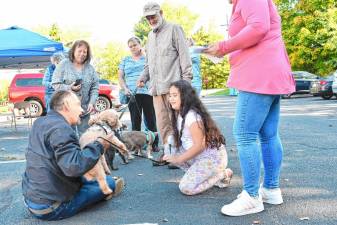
[199,144]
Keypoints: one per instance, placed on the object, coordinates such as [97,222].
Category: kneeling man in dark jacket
[53,186]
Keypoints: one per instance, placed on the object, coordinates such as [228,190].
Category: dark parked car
[323,87]
[303,81]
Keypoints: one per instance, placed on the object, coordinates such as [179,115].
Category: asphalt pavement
[308,130]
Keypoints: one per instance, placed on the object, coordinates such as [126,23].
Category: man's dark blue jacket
[55,162]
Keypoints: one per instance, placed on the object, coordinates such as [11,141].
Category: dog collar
[150,136]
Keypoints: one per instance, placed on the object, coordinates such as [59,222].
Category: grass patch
[221,92]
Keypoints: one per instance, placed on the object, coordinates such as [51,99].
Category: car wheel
[102,104]
[327,95]
[36,108]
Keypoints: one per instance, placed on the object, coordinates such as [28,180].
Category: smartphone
[78,82]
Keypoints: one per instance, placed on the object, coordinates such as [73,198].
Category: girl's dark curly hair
[190,101]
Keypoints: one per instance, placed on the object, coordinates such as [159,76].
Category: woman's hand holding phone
[76,86]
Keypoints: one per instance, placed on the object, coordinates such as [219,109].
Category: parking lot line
[13,161]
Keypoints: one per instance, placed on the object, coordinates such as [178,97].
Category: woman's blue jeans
[89,194]
[47,98]
[256,130]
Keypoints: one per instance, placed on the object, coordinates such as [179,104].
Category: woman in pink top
[260,70]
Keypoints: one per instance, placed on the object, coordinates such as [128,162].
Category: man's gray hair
[57,99]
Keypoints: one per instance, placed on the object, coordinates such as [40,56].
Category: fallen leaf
[304,218]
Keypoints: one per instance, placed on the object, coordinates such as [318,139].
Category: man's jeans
[89,194]
[257,118]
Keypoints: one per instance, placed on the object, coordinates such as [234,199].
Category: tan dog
[137,140]
[100,125]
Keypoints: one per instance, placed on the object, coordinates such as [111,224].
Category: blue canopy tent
[20,48]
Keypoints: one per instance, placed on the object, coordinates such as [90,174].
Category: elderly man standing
[168,60]
[52,185]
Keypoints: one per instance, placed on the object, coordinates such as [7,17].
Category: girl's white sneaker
[271,196]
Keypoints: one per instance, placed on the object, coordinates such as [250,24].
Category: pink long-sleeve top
[257,54]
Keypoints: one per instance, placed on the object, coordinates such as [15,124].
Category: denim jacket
[55,162]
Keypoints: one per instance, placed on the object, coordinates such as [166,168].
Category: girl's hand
[214,50]
[174,159]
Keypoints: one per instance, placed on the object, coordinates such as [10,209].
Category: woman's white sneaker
[271,196]
[243,205]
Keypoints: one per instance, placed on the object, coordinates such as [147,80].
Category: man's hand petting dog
[102,140]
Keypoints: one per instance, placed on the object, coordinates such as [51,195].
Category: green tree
[54,32]
[310,33]
[65,35]
[214,75]
[4,84]
[142,29]
[107,60]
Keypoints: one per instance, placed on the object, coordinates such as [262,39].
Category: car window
[310,76]
[304,75]
[298,75]
[24,82]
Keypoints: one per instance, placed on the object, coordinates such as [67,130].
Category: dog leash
[140,156]
[133,98]
[153,160]
[85,114]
